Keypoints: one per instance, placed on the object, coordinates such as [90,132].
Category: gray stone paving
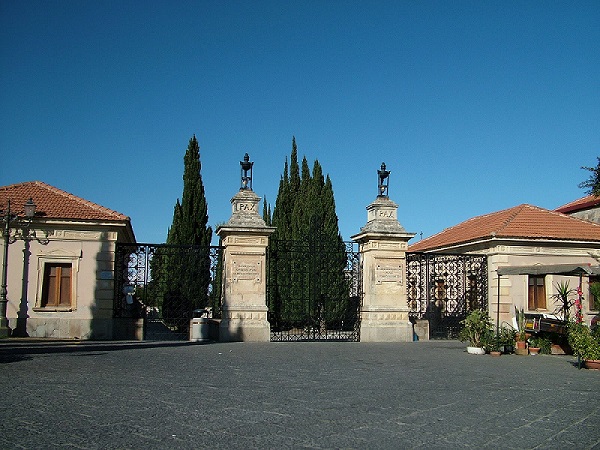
[291,395]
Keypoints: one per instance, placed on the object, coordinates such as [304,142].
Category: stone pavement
[291,395]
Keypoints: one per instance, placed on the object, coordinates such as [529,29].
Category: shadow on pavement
[14,350]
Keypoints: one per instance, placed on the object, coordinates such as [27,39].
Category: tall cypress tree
[310,279]
[190,218]
[187,271]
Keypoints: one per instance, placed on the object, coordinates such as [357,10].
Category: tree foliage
[185,273]
[592,184]
[309,287]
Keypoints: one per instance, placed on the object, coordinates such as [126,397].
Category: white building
[61,285]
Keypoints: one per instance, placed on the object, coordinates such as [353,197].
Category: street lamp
[22,231]
[246,168]
[383,176]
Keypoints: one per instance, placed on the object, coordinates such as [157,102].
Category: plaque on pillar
[383,243]
[245,238]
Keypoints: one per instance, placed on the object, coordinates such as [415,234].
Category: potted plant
[507,338]
[585,344]
[521,335]
[492,344]
[539,344]
[477,328]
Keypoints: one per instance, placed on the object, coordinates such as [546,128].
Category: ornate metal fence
[443,288]
[314,291]
[167,285]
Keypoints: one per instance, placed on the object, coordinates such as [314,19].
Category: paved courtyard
[291,395]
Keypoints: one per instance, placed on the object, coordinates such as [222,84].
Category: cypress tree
[190,219]
[309,276]
[187,271]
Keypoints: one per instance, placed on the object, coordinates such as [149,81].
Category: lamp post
[246,168]
[21,232]
[383,176]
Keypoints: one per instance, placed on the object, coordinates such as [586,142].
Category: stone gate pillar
[383,243]
[245,238]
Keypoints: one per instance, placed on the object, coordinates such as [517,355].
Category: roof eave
[486,240]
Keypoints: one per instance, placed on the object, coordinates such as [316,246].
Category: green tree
[308,266]
[266,212]
[187,272]
[592,184]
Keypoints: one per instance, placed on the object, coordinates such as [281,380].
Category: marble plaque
[246,269]
[388,272]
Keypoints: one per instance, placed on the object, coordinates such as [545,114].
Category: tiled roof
[53,203]
[523,221]
[581,204]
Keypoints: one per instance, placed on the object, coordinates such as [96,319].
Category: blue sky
[475,106]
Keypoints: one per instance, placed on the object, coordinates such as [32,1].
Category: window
[56,290]
[594,293]
[537,293]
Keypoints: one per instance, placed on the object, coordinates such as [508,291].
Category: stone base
[388,332]
[421,330]
[240,330]
[4,329]
[128,329]
[66,328]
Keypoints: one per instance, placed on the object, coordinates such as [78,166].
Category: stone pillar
[245,238]
[383,243]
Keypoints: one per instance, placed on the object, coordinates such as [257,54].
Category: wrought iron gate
[314,291]
[443,288]
[166,285]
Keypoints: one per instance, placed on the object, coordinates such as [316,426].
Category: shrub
[584,342]
[477,328]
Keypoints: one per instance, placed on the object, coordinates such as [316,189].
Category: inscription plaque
[246,270]
[388,273]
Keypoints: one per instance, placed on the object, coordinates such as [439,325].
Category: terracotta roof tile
[53,203]
[581,204]
[523,221]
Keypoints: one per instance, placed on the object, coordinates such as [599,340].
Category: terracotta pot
[495,353]
[521,344]
[592,364]
[534,350]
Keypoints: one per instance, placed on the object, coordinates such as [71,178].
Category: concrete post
[245,238]
[383,243]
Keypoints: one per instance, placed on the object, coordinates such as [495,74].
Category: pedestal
[383,244]
[245,238]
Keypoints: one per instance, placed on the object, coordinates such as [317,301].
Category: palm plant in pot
[477,329]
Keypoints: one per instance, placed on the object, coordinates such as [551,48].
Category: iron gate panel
[443,288]
[165,284]
[313,291]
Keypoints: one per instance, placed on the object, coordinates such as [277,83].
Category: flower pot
[534,350]
[592,364]
[495,353]
[521,344]
[475,351]
[508,349]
